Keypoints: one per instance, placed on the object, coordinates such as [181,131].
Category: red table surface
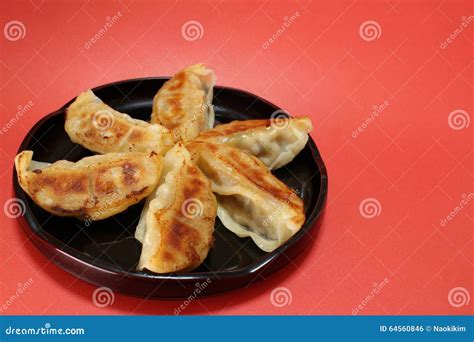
[413,159]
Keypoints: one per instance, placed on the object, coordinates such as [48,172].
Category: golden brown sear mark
[130,173]
[180,235]
[178,81]
[81,212]
[62,186]
[136,192]
[234,127]
[245,164]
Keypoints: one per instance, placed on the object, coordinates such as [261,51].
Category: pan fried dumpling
[276,142]
[93,188]
[251,201]
[100,128]
[177,221]
[184,103]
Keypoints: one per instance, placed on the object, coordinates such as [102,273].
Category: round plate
[105,252]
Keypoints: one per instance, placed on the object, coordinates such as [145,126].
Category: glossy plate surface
[105,252]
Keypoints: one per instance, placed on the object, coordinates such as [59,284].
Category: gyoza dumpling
[276,142]
[93,188]
[100,128]
[184,103]
[251,201]
[177,221]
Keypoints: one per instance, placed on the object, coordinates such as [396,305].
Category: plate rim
[30,224]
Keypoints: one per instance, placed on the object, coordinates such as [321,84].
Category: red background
[409,158]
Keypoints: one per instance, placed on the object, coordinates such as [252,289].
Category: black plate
[105,253]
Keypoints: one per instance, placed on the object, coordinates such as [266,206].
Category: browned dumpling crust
[276,142]
[93,188]
[251,201]
[184,103]
[100,128]
[177,221]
